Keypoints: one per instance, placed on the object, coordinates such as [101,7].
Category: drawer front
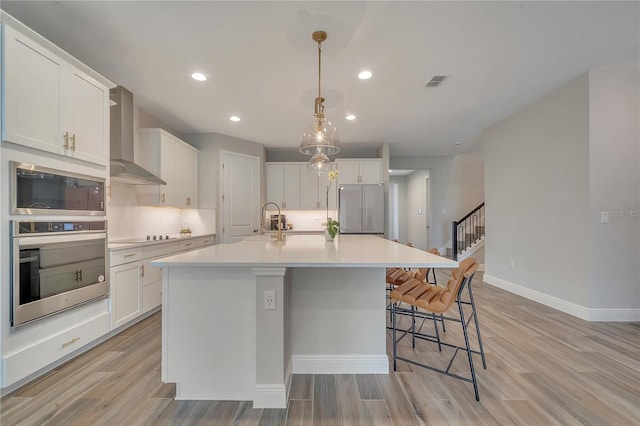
[194,243]
[120,257]
[158,250]
[29,360]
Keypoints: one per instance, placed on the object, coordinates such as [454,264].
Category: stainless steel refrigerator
[361,209]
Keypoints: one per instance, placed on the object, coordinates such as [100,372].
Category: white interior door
[240,196]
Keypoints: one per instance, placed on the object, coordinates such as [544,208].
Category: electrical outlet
[269,300]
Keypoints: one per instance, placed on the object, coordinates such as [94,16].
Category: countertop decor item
[333,227]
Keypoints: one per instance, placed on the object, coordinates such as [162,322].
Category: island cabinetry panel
[363,171]
[283,185]
[50,105]
[173,161]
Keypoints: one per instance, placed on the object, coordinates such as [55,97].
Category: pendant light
[320,139]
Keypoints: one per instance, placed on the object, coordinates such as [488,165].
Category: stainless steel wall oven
[41,190]
[56,266]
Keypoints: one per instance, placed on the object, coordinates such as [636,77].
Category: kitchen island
[239,319]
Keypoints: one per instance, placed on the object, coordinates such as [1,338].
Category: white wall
[550,171]
[401,211]
[416,209]
[536,190]
[613,187]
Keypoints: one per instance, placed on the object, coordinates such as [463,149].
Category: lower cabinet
[136,286]
[126,293]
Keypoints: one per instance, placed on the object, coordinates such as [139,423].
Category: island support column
[273,373]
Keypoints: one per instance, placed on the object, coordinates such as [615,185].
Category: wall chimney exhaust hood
[123,169]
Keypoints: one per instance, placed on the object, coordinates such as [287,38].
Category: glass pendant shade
[319,137]
[319,164]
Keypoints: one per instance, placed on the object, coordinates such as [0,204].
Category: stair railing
[466,231]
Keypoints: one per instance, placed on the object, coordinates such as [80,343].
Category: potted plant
[332,226]
[332,229]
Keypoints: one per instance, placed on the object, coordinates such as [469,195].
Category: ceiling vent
[435,81]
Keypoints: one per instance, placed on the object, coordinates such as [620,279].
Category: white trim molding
[270,396]
[340,364]
[582,312]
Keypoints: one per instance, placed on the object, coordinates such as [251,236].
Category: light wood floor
[544,367]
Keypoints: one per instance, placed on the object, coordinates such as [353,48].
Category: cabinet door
[126,293]
[191,178]
[275,183]
[85,110]
[32,94]
[371,171]
[179,182]
[151,286]
[167,171]
[291,186]
[348,171]
[309,195]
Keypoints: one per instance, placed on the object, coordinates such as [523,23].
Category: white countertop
[309,251]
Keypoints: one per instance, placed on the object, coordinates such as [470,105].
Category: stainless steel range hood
[123,169]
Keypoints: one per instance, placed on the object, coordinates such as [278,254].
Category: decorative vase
[327,236]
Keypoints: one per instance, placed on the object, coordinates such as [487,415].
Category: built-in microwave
[41,190]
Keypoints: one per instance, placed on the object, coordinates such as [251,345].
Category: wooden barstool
[429,301]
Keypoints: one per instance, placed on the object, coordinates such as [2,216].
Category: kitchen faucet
[278,234]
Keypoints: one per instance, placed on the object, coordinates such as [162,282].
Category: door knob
[255,230]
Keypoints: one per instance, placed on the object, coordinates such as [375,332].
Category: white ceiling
[262,63]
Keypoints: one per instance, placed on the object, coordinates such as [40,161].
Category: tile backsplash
[307,220]
[129,220]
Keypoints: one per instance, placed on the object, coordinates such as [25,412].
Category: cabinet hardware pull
[73,142]
[130,255]
[188,201]
[66,140]
[70,342]
[162,198]
[76,272]
[142,271]
[188,245]
[80,274]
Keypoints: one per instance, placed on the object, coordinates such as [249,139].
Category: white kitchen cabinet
[314,191]
[283,185]
[126,293]
[362,170]
[50,105]
[173,161]
[152,276]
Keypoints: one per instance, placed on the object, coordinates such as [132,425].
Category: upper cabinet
[175,162]
[314,192]
[292,187]
[283,185]
[50,105]
[362,170]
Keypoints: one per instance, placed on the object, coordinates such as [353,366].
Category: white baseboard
[340,364]
[270,396]
[587,314]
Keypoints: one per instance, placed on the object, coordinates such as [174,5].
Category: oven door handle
[50,239]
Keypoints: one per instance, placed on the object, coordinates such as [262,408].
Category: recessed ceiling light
[350,117]
[234,118]
[198,76]
[365,75]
